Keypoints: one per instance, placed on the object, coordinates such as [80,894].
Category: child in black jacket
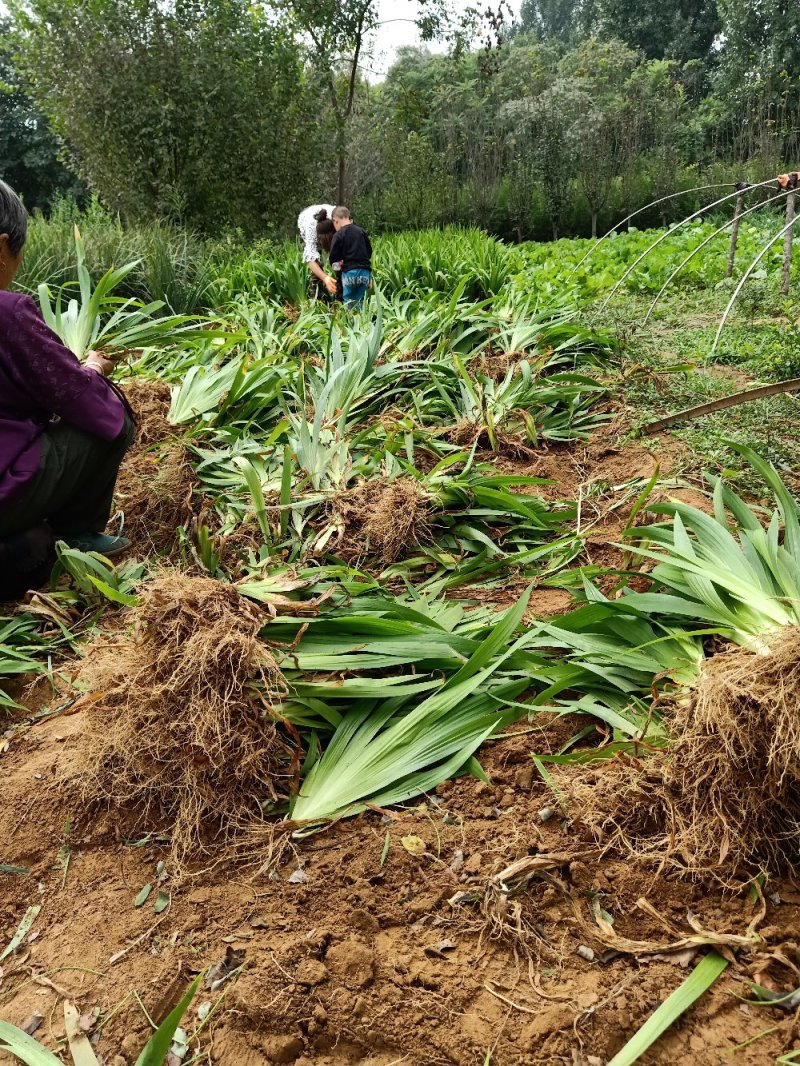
[351,253]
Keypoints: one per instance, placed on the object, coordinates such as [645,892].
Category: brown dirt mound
[362,960]
[156,482]
[150,401]
[154,493]
[383,521]
[725,798]
[180,731]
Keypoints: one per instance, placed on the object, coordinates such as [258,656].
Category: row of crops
[363,480]
[190,275]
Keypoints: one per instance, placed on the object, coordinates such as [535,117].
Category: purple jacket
[40,378]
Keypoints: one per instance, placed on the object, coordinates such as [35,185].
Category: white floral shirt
[307,225]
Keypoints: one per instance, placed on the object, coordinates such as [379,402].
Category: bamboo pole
[737,218]
[758,393]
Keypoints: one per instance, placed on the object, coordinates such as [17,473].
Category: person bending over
[351,254]
[64,430]
[316,232]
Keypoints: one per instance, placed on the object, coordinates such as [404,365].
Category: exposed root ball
[726,797]
[179,732]
[465,433]
[154,494]
[384,521]
[155,483]
[496,364]
[150,402]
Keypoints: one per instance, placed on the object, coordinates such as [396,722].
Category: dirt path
[352,946]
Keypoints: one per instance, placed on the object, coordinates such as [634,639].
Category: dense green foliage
[29,152]
[347,475]
[216,114]
[554,138]
[193,274]
[190,112]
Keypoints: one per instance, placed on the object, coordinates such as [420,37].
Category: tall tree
[30,154]
[545,128]
[340,32]
[758,83]
[760,39]
[662,29]
[559,20]
[190,110]
[599,74]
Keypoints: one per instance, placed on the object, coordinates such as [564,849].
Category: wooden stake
[737,217]
[787,246]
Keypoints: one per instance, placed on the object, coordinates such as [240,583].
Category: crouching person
[26,561]
[64,429]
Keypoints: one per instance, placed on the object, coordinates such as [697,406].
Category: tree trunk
[348,109]
[787,246]
[342,160]
[737,217]
[594,222]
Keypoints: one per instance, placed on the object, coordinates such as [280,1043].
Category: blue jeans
[355,284]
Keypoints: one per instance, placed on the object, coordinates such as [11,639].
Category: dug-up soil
[391,938]
[604,477]
[387,939]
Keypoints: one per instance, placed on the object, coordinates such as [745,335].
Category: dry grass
[179,732]
[725,797]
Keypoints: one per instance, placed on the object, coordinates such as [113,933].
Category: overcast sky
[398,29]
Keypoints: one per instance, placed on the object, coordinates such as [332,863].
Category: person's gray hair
[13,218]
[341,212]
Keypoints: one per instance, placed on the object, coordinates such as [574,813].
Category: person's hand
[97,362]
[330,284]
